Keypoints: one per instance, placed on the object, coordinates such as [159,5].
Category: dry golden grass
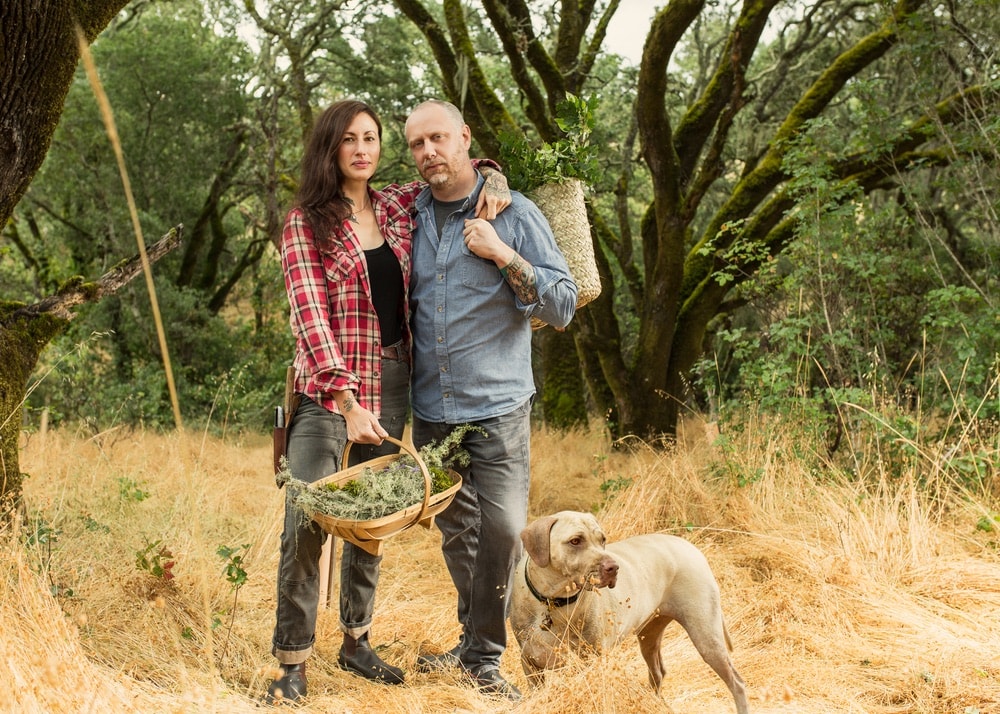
[837,599]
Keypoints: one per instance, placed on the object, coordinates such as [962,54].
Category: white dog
[656,578]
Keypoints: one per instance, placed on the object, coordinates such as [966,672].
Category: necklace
[354,216]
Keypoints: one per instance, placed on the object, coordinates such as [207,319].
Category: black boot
[290,686]
[357,656]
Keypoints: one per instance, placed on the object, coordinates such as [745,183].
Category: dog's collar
[550,601]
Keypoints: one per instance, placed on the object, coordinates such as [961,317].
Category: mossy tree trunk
[38,57]
[563,396]
[22,338]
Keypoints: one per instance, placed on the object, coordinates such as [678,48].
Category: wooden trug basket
[369,535]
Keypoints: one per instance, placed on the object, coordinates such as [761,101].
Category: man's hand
[495,195]
[482,239]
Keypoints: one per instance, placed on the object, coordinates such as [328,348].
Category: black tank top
[386,280]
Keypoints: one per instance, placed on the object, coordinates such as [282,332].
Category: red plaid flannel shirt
[338,340]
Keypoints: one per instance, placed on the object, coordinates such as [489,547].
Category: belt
[396,352]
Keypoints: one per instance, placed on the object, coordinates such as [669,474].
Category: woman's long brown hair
[319,194]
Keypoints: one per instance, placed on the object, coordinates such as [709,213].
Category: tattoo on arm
[348,404]
[521,277]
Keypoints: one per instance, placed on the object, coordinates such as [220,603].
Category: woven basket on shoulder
[563,206]
[369,534]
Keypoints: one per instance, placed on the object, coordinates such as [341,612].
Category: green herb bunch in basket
[369,502]
[529,165]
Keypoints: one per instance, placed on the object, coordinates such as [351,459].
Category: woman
[345,252]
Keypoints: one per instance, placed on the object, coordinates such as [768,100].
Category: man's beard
[439,178]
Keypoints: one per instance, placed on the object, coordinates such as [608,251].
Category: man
[475,286]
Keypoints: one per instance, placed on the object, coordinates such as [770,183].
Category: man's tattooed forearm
[521,277]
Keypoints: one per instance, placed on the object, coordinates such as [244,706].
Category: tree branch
[655,132]
[76,291]
[223,179]
[586,60]
[777,229]
[436,38]
[724,95]
[512,22]
[485,114]
[754,186]
[903,150]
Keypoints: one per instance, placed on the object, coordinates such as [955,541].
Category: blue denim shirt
[471,335]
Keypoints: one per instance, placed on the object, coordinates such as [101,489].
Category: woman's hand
[495,195]
[362,426]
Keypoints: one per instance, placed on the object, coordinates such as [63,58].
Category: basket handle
[416,457]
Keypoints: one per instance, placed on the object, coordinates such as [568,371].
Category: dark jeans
[481,529]
[316,443]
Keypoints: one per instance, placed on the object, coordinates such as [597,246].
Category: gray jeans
[481,529]
[316,443]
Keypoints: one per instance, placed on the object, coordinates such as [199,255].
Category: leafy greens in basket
[377,493]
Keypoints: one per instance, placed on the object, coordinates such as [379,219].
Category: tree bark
[561,388]
[38,56]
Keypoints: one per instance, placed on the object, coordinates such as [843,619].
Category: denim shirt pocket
[476,271]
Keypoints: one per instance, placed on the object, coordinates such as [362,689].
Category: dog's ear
[536,540]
